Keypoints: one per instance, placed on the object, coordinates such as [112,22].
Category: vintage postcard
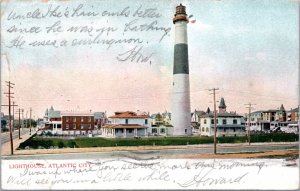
[154,95]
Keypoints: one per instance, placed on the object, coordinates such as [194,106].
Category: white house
[52,120]
[228,124]
[127,125]
[195,120]
[255,121]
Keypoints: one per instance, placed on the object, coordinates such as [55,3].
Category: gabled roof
[99,114]
[256,112]
[270,111]
[295,110]
[54,114]
[129,114]
[199,113]
[166,114]
[127,126]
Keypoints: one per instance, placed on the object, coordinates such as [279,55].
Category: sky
[247,49]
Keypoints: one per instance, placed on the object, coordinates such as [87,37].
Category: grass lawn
[38,142]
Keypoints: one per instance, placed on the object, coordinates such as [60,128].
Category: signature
[134,55]
[203,178]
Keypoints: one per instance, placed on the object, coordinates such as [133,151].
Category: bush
[163,141]
[61,144]
[274,137]
[48,133]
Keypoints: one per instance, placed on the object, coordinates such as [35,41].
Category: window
[146,121]
[233,129]
[74,119]
[89,126]
[207,129]
[224,121]
[203,129]
[224,129]
[67,119]
[126,121]
[81,126]
[185,130]
[154,130]
[81,119]
[217,121]
[212,121]
[130,130]
[74,126]
[89,119]
[234,121]
[67,126]
[204,121]
[162,130]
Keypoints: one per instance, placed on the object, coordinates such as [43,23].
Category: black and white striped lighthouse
[181,109]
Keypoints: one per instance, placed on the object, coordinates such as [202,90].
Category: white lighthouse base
[181,109]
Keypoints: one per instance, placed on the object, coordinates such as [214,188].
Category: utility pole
[23,119]
[248,131]
[13,121]
[30,122]
[9,93]
[19,112]
[26,119]
[215,119]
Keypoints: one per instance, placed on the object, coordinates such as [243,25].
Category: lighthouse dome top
[180,9]
[180,14]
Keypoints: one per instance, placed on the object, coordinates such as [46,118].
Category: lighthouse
[181,108]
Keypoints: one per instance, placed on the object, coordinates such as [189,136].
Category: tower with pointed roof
[208,111]
[281,114]
[222,106]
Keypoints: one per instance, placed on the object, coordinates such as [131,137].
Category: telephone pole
[13,117]
[9,95]
[248,131]
[30,122]
[215,119]
[19,111]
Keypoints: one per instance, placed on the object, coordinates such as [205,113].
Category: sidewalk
[5,148]
[132,148]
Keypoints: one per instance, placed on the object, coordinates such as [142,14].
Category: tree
[33,123]
[3,123]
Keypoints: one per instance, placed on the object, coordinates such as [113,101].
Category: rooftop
[129,114]
[221,115]
[127,126]
[76,113]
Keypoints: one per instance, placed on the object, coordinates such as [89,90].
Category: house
[268,116]
[195,120]
[227,124]
[161,130]
[293,114]
[255,121]
[127,124]
[77,123]
[161,125]
[167,117]
[164,118]
[100,119]
[52,120]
